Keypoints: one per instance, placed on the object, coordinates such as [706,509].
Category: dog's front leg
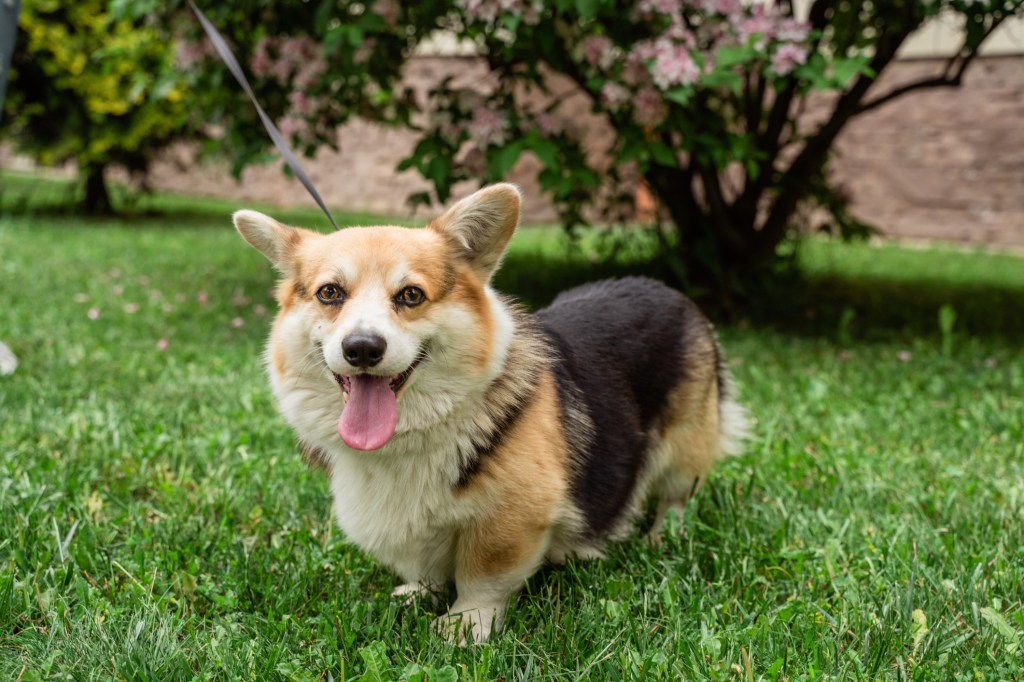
[492,563]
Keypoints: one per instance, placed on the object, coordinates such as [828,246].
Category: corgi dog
[466,440]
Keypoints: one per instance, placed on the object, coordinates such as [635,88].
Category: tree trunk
[97,198]
[715,253]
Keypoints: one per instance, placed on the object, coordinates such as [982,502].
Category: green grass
[156,521]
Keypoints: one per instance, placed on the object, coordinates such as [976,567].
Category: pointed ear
[275,241]
[481,225]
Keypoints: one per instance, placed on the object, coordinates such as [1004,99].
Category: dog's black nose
[363,350]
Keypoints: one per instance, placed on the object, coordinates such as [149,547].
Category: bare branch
[949,77]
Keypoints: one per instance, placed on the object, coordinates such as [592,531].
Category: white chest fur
[401,508]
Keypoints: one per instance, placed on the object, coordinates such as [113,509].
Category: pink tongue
[371,413]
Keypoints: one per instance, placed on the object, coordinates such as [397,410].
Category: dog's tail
[733,419]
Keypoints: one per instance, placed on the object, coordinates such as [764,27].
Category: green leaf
[1011,636]
[588,8]
[731,56]
[376,661]
[414,672]
[719,79]
[439,170]
[500,162]
[662,154]
[680,95]
[447,674]
[843,70]
[546,150]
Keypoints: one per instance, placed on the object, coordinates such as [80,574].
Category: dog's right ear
[275,241]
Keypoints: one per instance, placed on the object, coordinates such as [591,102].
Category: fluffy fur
[519,438]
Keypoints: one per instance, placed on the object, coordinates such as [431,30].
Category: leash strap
[224,51]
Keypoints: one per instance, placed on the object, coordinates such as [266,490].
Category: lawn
[157,521]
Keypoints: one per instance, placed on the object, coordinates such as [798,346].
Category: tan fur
[690,441]
[522,491]
[468,291]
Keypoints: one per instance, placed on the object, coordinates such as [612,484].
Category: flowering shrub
[702,97]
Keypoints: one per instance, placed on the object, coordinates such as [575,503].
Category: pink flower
[787,57]
[188,54]
[648,108]
[202,298]
[649,7]
[131,308]
[597,51]
[674,66]
[485,10]
[93,313]
[614,95]
[727,7]
[487,126]
[903,356]
[309,73]
[635,71]
[117,290]
[548,124]
[294,127]
[792,31]
[761,27]
[300,103]
[260,65]
[237,322]
[259,309]
[163,344]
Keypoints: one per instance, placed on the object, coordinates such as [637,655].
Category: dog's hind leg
[702,426]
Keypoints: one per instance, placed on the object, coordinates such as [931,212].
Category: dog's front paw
[471,625]
[409,591]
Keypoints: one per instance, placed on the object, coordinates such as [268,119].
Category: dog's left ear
[481,225]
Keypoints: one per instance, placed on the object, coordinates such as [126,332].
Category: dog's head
[400,320]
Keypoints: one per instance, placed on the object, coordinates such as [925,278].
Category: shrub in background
[94,82]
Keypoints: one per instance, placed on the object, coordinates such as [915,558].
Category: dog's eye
[330,293]
[410,296]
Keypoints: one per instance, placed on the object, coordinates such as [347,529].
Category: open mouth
[369,415]
[396,382]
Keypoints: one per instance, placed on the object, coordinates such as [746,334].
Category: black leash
[289,156]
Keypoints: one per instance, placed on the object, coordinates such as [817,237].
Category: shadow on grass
[861,306]
[871,307]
